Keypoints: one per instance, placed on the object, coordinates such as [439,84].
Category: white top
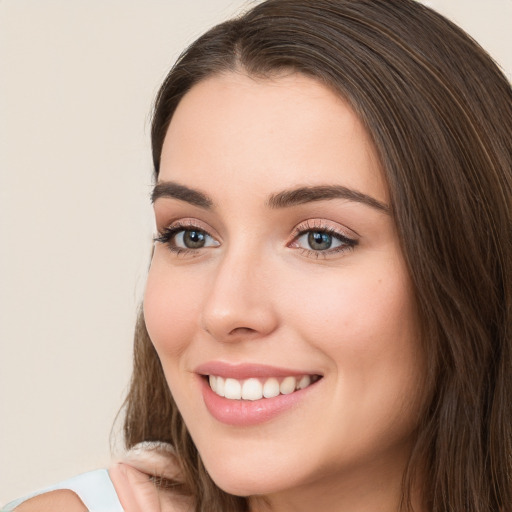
[94,488]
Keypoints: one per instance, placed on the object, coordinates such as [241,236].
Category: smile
[248,394]
[257,388]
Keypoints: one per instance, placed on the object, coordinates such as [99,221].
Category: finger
[136,491]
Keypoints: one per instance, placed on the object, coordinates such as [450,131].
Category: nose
[239,304]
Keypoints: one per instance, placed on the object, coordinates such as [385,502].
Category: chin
[245,486]
[249,484]
[250,476]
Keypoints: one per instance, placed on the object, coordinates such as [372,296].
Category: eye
[180,239]
[192,239]
[317,239]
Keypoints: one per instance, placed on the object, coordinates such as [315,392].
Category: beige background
[77,78]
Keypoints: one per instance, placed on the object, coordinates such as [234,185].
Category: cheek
[170,310]
[366,323]
[359,312]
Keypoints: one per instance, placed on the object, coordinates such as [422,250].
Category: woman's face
[278,272]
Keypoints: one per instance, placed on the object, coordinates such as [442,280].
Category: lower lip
[244,413]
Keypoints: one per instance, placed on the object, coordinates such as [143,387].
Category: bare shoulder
[54,501]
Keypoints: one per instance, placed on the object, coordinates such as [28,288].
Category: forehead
[285,131]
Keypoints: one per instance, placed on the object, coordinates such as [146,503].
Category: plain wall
[77,80]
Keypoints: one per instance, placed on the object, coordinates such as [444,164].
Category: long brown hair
[439,112]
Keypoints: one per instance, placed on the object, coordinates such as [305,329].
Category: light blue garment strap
[95,489]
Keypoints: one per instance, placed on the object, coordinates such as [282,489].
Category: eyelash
[312,226]
[167,237]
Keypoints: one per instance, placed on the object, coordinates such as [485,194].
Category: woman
[326,320]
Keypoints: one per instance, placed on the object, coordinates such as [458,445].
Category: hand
[132,479]
[135,489]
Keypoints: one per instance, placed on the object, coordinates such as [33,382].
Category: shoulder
[62,500]
[93,490]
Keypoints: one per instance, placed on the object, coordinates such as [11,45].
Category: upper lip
[247,370]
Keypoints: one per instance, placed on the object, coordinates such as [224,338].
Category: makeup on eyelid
[319,235]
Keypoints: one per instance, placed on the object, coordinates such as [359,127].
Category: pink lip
[244,413]
[246,371]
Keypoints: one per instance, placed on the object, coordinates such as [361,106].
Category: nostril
[241,331]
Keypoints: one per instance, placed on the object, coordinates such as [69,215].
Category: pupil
[194,239]
[319,241]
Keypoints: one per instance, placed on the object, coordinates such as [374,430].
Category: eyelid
[166,236]
[348,237]
[324,225]
[187,223]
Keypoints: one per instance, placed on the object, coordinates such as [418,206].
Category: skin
[258,293]
[52,501]
[136,492]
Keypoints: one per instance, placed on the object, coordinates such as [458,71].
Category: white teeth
[304,382]
[221,385]
[232,389]
[271,388]
[254,389]
[288,385]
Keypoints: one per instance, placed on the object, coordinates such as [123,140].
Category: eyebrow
[284,199]
[303,195]
[174,190]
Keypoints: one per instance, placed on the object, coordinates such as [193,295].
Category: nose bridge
[239,303]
